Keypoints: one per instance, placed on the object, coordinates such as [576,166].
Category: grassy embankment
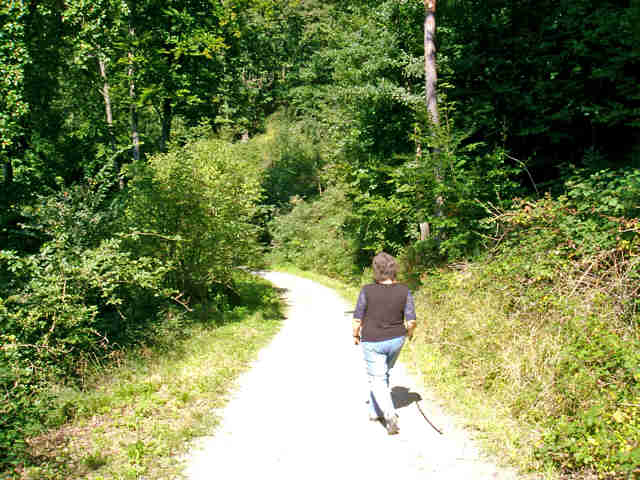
[545,368]
[134,418]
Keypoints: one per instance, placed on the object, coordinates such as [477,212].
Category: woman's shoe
[392,425]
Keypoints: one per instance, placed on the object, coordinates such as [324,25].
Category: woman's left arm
[410,315]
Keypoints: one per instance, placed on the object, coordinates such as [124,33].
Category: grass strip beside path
[135,419]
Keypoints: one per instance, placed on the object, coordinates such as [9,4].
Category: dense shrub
[547,325]
[452,184]
[78,297]
[312,235]
[108,266]
[293,164]
[192,208]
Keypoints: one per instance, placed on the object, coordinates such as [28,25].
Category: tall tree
[430,70]
[430,91]
[13,58]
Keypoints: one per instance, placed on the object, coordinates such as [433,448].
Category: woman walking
[384,316]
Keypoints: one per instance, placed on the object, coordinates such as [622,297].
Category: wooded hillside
[150,148]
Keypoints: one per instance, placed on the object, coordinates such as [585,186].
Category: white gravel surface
[300,412]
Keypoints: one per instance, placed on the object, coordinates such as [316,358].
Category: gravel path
[300,412]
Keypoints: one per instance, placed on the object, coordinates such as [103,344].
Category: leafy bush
[192,209]
[450,185]
[547,325]
[293,164]
[596,425]
[77,298]
[107,263]
[312,235]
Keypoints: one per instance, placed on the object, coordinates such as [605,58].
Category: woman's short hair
[384,267]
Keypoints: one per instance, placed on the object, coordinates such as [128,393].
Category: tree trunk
[167,115]
[133,109]
[431,81]
[135,136]
[107,100]
[424,230]
[430,71]
[109,117]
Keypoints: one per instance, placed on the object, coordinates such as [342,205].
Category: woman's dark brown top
[383,309]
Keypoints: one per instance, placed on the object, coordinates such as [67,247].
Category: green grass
[134,418]
[543,371]
[467,378]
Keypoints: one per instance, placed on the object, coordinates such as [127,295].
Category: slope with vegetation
[120,269]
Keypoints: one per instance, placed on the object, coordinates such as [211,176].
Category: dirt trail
[300,412]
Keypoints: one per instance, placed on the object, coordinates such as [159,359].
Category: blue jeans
[380,357]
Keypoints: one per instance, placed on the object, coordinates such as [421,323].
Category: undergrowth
[312,236]
[133,417]
[545,329]
[95,270]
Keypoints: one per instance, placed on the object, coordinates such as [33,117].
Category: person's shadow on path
[402,397]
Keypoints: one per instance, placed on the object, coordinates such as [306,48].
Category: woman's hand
[356,325]
[411,326]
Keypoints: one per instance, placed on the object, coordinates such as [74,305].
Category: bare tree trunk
[109,117]
[135,137]
[424,230]
[418,143]
[430,71]
[107,99]
[431,81]
[167,115]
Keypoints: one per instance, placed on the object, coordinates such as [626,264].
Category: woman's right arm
[358,315]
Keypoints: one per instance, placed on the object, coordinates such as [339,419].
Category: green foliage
[449,185]
[598,213]
[606,192]
[106,264]
[459,180]
[293,165]
[79,216]
[585,244]
[366,81]
[559,77]
[596,426]
[192,209]
[74,299]
[548,354]
[547,325]
[136,414]
[553,83]
[312,235]
[13,58]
